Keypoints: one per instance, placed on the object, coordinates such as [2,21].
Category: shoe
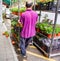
[24,59]
[24,56]
[30,44]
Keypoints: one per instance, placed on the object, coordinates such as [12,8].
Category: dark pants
[24,43]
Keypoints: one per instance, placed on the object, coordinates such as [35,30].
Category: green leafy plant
[12,31]
[15,9]
[57,30]
[48,30]
[14,21]
[22,9]
[41,25]
[6,33]
[45,28]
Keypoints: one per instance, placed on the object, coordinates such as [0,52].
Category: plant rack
[45,44]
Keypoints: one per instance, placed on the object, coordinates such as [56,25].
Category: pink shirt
[28,19]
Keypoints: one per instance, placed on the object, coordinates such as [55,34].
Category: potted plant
[15,10]
[6,33]
[38,27]
[22,10]
[57,30]
[48,31]
[15,26]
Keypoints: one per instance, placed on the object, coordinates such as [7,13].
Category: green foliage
[57,30]
[22,9]
[44,27]
[6,33]
[15,9]
[12,31]
[14,21]
[48,30]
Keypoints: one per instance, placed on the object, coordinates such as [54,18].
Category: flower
[44,1]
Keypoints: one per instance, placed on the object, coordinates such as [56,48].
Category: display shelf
[43,43]
[51,55]
[57,37]
[41,49]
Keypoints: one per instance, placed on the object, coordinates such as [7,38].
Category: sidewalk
[7,52]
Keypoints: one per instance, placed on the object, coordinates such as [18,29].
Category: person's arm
[20,21]
[36,18]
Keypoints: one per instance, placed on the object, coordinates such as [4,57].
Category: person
[28,20]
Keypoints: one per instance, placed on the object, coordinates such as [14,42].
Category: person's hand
[20,24]
[18,21]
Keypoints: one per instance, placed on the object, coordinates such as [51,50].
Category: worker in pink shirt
[28,20]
